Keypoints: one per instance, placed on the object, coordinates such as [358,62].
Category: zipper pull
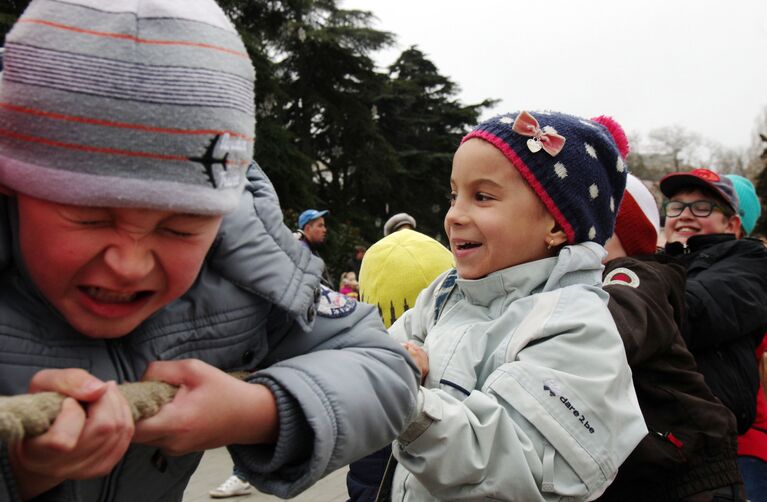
[668,436]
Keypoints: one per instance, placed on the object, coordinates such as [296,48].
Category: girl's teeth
[110,296]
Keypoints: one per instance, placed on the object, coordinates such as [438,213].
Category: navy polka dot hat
[575,166]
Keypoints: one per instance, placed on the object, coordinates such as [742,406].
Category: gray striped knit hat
[137,103]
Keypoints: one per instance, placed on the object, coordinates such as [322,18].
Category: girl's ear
[556,236]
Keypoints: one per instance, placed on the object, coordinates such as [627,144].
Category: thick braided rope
[29,415]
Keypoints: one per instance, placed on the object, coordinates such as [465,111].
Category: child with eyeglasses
[726,285]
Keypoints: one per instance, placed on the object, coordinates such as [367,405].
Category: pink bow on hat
[546,138]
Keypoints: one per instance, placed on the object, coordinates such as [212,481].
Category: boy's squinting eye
[87,217]
[92,223]
[186,226]
[177,233]
[451,197]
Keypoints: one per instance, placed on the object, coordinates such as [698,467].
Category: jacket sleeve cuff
[428,411]
[8,489]
[270,467]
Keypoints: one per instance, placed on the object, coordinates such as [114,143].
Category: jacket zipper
[122,374]
[123,370]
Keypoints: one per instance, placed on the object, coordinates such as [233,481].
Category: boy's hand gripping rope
[29,415]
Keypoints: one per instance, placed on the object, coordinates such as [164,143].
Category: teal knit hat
[750,206]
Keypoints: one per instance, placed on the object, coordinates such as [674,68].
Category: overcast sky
[701,64]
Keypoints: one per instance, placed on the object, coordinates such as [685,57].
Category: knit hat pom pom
[616,131]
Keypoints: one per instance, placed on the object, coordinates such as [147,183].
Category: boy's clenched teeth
[108,296]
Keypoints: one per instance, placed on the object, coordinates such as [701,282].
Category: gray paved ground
[216,466]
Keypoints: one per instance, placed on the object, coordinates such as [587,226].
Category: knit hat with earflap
[574,165]
[147,103]
[638,219]
[396,268]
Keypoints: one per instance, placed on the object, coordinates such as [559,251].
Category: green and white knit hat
[137,103]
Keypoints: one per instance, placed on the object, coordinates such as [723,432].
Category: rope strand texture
[29,415]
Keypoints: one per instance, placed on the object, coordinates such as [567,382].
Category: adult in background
[312,233]
[312,230]
[399,221]
[752,445]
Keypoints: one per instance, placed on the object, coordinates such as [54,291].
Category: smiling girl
[526,393]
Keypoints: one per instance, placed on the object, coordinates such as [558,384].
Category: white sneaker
[232,487]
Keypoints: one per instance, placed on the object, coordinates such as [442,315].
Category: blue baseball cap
[309,215]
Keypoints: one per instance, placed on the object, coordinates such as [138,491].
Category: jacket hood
[289,276]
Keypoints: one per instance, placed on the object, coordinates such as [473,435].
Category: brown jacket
[691,447]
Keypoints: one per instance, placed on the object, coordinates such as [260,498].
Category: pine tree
[10,10]
[424,122]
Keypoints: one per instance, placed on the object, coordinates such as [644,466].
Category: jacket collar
[576,264]
[513,282]
[697,243]
[256,251]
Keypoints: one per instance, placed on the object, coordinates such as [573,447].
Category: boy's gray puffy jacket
[344,387]
[528,397]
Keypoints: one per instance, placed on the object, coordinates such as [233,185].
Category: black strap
[444,291]
[384,489]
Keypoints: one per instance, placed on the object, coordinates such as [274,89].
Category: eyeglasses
[700,208]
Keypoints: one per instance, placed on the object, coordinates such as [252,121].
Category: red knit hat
[638,219]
